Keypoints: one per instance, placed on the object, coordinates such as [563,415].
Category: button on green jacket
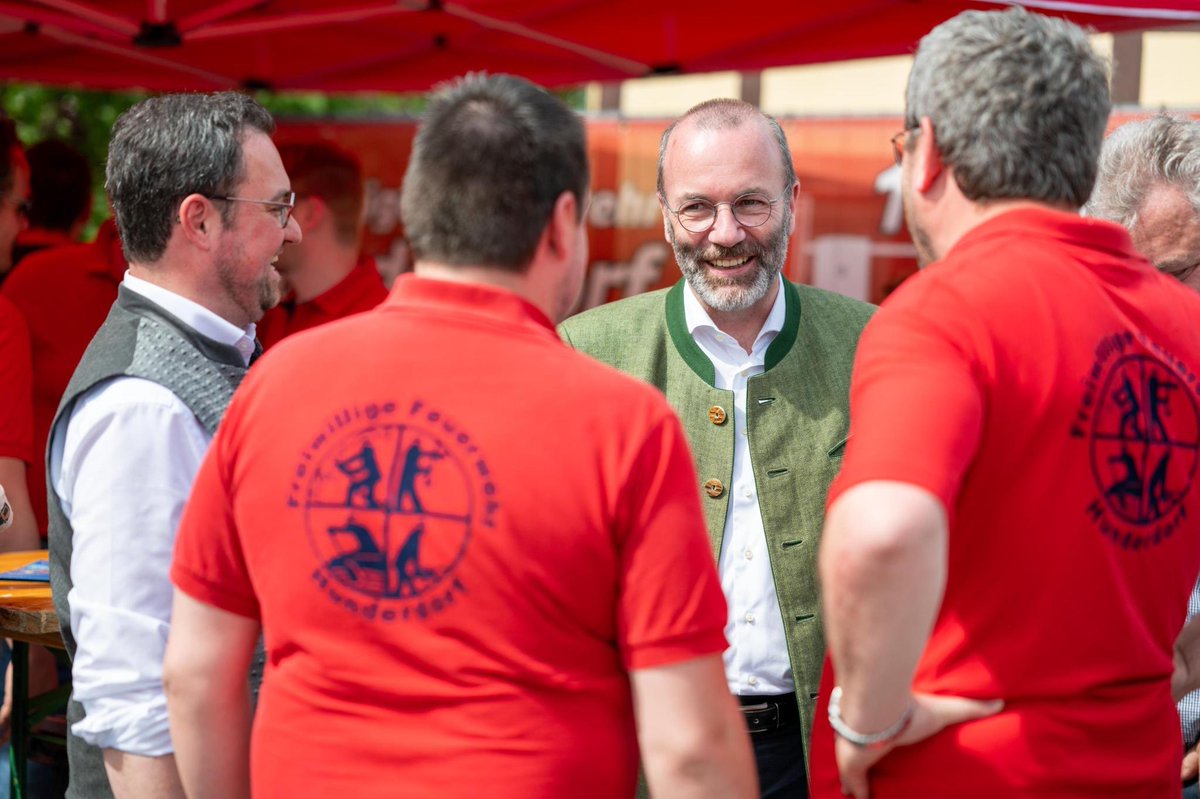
[796,417]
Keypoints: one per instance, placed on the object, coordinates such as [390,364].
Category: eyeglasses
[749,210]
[899,141]
[23,206]
[1180,272]
[285,208]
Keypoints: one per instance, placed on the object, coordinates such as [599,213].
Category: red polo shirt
[64,294]
[16,392]
[460,536]
[360,290]
[1041,380]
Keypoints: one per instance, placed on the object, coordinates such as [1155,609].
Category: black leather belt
[767,713]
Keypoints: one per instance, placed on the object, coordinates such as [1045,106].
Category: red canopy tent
[396,45]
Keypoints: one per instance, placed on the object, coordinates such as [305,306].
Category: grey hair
[1018,102]
[489,162]
[1139,155]
[166,148]
[721,114]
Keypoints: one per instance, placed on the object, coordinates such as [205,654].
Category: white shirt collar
[698,319]
[196,316]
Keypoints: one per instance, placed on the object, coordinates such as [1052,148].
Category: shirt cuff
[136,723]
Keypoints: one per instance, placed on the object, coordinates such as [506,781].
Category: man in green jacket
[758,369]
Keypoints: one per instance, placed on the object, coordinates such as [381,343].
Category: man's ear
[560,236]
[666,215]
[199,220]
[309,211]
[927,164]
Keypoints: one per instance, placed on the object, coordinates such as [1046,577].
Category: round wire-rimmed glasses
[751,209]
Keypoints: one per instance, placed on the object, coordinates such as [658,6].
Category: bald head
[726,114]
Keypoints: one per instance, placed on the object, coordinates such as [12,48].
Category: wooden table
[27,616]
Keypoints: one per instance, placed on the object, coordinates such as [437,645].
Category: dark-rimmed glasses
[285,207]
[899,141]
[749,210]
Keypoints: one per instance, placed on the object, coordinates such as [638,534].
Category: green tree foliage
[85,118]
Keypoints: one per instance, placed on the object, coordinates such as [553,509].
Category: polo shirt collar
[1049,223]
[339,299]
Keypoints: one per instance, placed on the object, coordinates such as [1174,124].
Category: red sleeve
[670,606]
[16,386]
[916,404]
[209,564]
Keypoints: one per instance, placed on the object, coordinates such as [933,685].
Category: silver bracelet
[874,740]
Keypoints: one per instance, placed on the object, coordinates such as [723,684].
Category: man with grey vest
[758,368]
[203,205]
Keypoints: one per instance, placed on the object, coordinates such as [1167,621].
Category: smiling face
[730,267]
[252,240]
[1168,233]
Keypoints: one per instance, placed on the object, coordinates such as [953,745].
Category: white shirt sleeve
[124,466]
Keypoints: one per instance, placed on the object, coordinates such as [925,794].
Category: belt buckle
[761,717]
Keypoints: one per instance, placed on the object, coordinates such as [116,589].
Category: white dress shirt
[123,466]
[756,661]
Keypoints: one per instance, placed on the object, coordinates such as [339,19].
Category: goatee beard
[729,294]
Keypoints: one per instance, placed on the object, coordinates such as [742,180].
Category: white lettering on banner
[395,262]
[638,274]
[626,208]
[381,209]
[888,182]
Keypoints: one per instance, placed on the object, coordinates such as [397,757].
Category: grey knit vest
[138,339]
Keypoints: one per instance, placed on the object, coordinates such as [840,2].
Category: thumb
[932,713]
[957,709]
[1191,765]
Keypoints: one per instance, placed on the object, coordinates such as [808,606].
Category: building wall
[1166,78]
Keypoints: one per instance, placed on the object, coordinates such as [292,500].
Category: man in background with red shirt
[65,294]
[325,277]
[17,456]
[1011,542]
[477,557]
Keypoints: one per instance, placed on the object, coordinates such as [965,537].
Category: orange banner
[850,235]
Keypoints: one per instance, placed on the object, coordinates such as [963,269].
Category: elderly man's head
[1149,183]
[728,189]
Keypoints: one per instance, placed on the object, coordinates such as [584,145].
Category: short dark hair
[165,148]
[322,169]
[60,185]
[8,143]
[489,161]
[1018,101]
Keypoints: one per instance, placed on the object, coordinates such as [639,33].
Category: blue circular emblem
[390,510]
[1144,440]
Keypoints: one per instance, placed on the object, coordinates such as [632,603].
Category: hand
[1191,764]
[931,714]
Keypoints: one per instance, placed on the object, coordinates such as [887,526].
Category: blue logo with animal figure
[391,507]
[1143,423]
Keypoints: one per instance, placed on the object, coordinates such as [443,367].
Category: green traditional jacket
[797,420]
